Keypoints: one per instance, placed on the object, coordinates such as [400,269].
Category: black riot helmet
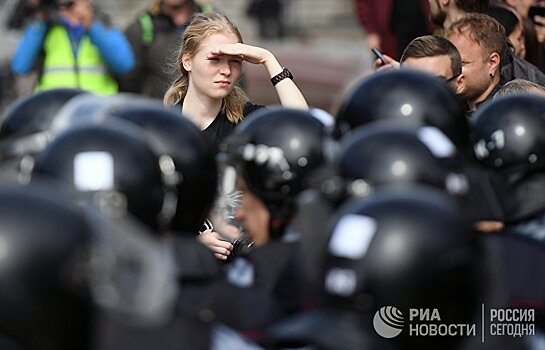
[404,95]
[114,165]
[188,165]
[94,109]
[193,171]
[383,153]
[509,139]
[274,151]
[510,134]
[407,250]
[26,120]
[43,300]
[73,278]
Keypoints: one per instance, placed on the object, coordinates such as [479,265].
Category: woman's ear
[186,62]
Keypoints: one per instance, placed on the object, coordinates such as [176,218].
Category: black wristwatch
[281,76]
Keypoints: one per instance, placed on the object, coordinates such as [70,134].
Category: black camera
[241,247]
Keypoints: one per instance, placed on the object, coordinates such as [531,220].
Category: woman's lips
[223,83]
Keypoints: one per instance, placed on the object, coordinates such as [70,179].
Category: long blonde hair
[203,25]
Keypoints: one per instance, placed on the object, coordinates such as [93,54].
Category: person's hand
[289,94]
[221,248]
[228,231]
[539,28]
[248,53]
[373,40]
[390,63]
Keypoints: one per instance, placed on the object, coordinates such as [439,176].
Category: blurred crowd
[148,203]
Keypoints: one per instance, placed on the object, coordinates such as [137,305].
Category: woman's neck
[201,110]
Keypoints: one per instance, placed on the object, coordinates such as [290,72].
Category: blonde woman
[210,62]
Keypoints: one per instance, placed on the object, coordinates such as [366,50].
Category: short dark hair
[483,30]
[432,46]
[472,6]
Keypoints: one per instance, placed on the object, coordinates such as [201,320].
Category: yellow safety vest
[86,71]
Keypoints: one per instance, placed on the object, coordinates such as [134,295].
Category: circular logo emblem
[388,322]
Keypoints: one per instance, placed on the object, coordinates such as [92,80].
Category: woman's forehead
[217,39]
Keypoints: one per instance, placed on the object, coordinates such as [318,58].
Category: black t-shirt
[222,127]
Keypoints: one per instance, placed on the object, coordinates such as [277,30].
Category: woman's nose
[225,69]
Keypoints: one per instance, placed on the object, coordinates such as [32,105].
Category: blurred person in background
[70,45]
[513,25]
[154,36]
[539,27]
[269,15]
[391,24]
[534,50]
[445,12]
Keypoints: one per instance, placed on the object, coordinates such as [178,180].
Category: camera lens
[241,247]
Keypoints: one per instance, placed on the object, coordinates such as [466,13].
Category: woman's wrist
[271,64]
[273,67]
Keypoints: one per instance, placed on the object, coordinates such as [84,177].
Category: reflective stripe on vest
[60,69]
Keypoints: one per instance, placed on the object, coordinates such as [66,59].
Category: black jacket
[514,67]
[154,70]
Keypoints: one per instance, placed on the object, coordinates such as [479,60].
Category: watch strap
[281,76]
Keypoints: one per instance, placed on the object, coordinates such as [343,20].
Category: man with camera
[70,47]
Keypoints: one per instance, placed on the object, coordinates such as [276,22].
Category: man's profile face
[253,215]
[475,66]
[439,66]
